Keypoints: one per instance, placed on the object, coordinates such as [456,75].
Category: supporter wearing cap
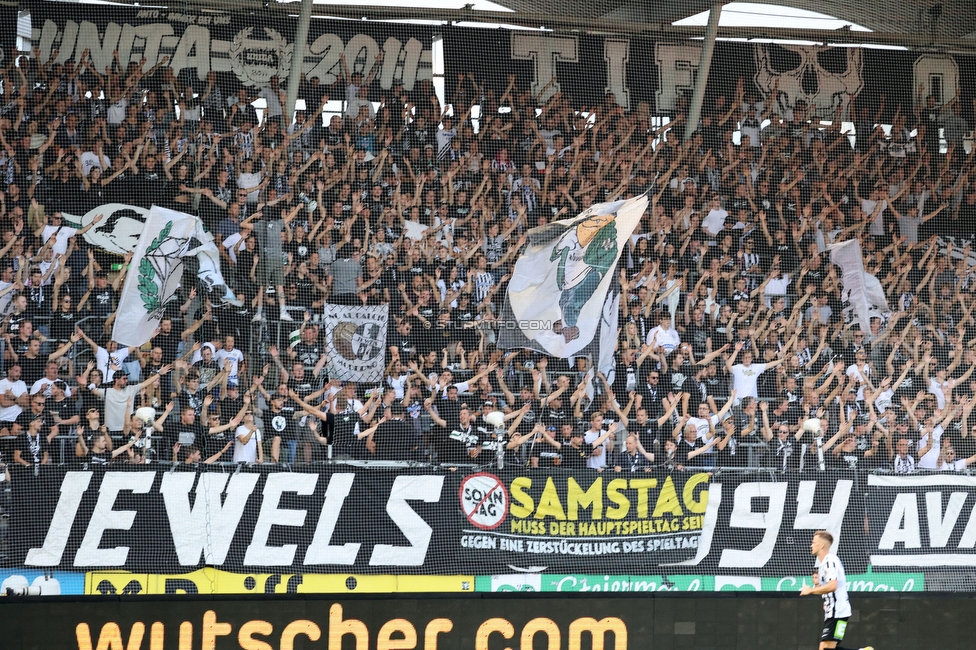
[63,410]
[547,456]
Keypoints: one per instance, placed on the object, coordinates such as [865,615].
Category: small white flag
[355,342]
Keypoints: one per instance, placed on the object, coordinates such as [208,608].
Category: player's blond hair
[824,535]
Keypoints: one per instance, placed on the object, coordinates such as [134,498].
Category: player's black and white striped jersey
[836,604]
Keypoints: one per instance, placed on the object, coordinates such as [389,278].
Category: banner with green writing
[549,582]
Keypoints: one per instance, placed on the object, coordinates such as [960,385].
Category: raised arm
[438,420]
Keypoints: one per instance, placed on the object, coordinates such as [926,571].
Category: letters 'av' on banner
[922,521]
[355,341]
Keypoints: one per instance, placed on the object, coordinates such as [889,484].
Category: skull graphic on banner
[826,77]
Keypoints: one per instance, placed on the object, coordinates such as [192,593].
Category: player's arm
[828,587]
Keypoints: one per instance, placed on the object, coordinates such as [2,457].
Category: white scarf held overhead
[861,289]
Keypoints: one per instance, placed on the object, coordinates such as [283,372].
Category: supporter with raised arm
[689,447]
[745,375]
[247,441]
[734,241]
[101,452]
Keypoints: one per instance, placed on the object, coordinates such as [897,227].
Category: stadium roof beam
[576,22]
[565,19]
[704,66]
[941,18]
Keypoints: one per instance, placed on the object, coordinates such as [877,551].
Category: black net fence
[482,313]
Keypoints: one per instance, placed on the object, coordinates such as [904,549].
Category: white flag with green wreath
[154,274]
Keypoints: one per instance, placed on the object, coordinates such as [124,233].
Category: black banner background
[648,69]
[422,522]
[246,46]
[363,517]
[661,620]
[417,514]
[736,544]
[251,46]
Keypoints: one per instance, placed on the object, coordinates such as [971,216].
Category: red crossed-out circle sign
[484,500]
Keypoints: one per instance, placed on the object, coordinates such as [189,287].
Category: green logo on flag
[149,288]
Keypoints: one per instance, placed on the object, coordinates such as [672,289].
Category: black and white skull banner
[645,74]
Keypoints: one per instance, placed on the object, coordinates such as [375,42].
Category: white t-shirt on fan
[246,453]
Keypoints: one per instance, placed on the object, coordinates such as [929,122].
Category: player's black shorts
[834,629]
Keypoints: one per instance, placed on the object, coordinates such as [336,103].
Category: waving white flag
[564,297]
[154,274]
[863,290]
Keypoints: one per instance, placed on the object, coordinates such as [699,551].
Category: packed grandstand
[734,326]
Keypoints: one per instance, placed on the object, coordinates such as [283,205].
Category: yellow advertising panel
[213,581]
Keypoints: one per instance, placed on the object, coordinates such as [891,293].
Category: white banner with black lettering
[355,342]
[250,47]
[922,521]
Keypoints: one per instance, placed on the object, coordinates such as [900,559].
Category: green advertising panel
[530,582]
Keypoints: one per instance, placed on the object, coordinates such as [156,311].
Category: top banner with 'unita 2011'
[250,46]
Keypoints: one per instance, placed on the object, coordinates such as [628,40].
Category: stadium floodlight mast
[496,419]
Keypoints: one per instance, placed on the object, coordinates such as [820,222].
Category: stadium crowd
[733,328]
